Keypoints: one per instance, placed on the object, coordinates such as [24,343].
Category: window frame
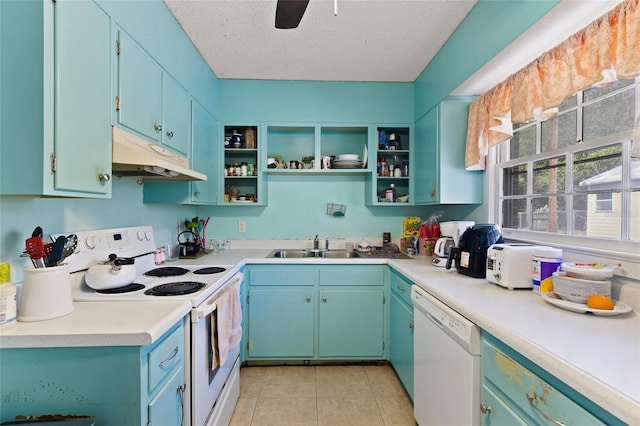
[591,247]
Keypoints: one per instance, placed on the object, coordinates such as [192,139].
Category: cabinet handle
[157,127]
[534,403]
[180,390]
[324,299]
[170,134]
[308,299]
[411,326]
[170,357]
[104,177]
[400,289]
[484,409]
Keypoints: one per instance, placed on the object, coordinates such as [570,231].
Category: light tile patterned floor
[323,396]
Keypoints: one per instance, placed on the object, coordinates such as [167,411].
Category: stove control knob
[140,235]
[90,242]
[148,235]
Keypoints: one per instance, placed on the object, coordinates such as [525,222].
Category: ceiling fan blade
[289,13]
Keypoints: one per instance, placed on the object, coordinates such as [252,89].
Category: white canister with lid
[7,305]
[546,261]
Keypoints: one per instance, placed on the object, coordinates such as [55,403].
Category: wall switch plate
[242,226]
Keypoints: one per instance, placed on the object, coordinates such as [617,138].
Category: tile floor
[322,395]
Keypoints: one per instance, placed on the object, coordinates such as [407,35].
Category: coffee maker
[450,237]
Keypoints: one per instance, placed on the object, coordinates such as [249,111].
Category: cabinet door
[496,412]
[139,89]
[457,185]
[425,177]
[166,407]
[401,341]
[281,323]
[351,323]
[82,137]
[176,117]
[205,131]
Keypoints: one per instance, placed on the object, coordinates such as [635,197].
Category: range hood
[134,156]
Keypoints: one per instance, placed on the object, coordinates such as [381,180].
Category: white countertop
[597,356]
[99,324]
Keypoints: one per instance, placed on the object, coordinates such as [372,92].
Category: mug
[326,162]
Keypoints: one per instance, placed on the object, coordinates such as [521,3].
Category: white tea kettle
[114,273]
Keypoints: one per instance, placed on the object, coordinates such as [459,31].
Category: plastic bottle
[390,194]
[422,240]
[7,305]
[546,261]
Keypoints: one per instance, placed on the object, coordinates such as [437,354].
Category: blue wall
[296,205]
[488,28]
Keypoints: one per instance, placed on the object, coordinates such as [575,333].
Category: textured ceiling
[368,40]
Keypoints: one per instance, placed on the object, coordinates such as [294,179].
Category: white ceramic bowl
[350,157]
[588,271]
[578,290]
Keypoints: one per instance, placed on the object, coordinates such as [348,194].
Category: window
[573,176]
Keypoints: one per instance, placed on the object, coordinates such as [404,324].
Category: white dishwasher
[447,382]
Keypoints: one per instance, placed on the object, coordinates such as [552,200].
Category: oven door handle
[210,305]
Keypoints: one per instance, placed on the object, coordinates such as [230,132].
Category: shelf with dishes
[302,149]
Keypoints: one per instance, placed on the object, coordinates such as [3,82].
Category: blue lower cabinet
[281,323]
[351,323]
[401,330]
[401,341]
[316,312]
[118,385]
[512,393]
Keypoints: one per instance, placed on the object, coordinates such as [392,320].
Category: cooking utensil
[56,251]
[70,244]
[114,273]
[37,232]
[35,248]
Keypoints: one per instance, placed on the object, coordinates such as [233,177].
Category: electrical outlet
[242,226]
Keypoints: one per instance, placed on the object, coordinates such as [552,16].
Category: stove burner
[175,289]
[209,270]
[166,271]
[126,289]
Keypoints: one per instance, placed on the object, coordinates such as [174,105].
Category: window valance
[606,50]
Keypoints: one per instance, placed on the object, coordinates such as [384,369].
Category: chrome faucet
[316,243]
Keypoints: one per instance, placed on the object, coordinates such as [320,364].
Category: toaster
[510,265]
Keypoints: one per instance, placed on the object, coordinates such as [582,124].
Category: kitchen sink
[329,254]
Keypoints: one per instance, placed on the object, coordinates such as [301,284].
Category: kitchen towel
[228,322]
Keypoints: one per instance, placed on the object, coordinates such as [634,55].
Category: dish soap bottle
[390,194]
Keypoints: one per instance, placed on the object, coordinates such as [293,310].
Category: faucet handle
[326,244]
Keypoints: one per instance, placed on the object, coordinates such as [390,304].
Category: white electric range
[210,394]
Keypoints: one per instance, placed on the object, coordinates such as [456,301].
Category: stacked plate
[346,161]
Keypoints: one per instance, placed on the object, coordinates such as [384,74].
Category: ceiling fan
[289,13]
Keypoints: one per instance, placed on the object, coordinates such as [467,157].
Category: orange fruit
[598,301]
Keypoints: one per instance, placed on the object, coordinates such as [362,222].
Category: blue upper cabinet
[439,149]
[139,89]
[149,100]
[56,133]
[176,117]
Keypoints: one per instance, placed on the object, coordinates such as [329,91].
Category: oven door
[207,383]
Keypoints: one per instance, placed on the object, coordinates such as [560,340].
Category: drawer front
[496,412]
[352,275]
[282,275]
[401,287]
[165,357]
[523,389]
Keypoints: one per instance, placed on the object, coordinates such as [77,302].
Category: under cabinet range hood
[134,156]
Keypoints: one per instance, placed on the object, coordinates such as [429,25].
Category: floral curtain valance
[606,50]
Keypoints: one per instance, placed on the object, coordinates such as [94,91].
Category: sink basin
[337,254]
[329,254]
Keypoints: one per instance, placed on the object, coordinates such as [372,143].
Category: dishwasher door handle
[433,319]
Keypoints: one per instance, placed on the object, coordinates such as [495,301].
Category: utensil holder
[46,294]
